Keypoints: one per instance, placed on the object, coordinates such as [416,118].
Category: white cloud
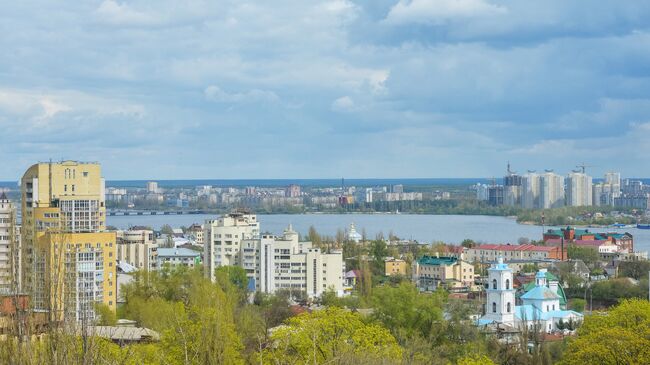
[434,11]
[52,108]
[343,104]
[121,14]
[216,94]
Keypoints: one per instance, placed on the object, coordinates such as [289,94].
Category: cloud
[434,11]
[216,94]
[465,84]
[113,12]
[343,104]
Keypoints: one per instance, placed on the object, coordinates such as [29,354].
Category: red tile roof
[508,247]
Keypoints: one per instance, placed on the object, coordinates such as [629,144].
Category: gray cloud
[355,88]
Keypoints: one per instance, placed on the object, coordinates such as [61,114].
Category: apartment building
[285,263]
[9,252]
[429,272]
[195,232]
[491,252]
[69,258]
[393,266]
[223,238]
[137,247]
[579,190]
[178,256]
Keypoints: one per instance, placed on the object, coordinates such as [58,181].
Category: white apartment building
[271,262]
[9,272]
[138,248]
[579,189]
[551,190]
[530,190]
[223,238]
[285,263]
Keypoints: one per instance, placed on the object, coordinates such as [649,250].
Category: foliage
[614,290]
[194,316]
[475,360]
[578,304]
[405,311]
[378,251]
[588,255]
[107,316]
[620,336]
[468,243]
[634,269]
[333,335]
[167,229]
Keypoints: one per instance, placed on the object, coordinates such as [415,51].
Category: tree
[620,336]
[578,304]
[378,252]
[634,269]
[167,229]
[314,237]
[233,275]
[405,311]
[475,360]
[587,254]
[332,335]
[468,243]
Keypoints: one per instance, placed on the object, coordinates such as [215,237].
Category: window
[494,307]
[494,283]
[507,284]
[509,308]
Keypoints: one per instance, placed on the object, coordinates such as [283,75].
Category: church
[540,305]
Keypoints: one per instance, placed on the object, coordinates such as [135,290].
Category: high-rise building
[9,250]
[285,263]
[512,188]
[398,188]
[531,190]
[152,187]
[292,191]
[138,248]
[495,195]
[68,257]
[223,237]
[613,179]
[551,190]
[578,189]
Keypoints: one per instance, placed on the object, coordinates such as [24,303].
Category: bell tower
[500,306]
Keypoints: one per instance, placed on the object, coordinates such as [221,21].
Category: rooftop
[177,252]
[509,247]
[441,260]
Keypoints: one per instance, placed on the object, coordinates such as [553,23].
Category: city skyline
[420,88]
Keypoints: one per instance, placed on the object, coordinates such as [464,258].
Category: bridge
[117,212]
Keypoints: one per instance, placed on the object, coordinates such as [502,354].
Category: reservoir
[423,228]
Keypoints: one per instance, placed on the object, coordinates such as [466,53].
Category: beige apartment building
[68,256]
[223,237]
[395,266]
[138,248]
[429,272]
[9,247]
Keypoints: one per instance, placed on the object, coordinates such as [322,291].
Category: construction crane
[583,167]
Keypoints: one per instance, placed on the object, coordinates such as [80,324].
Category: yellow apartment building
[68,257]
[429,272]
[395,266]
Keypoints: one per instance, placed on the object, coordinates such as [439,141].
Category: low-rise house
[394,266]
[623,242]
[489,253]
[178,256]
[429,272]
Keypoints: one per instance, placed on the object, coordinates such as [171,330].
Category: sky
[230,89]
